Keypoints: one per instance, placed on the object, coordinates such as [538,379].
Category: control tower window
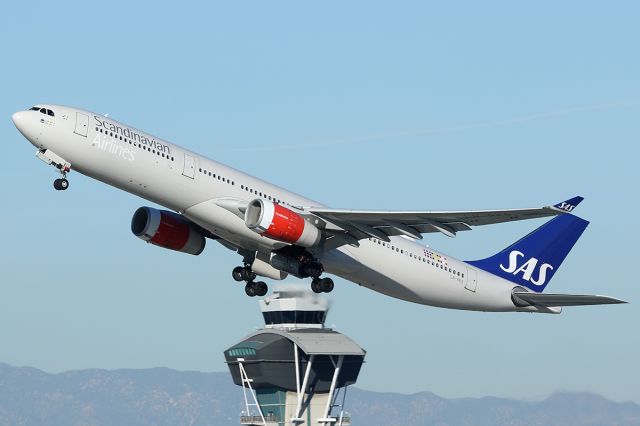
[294,317]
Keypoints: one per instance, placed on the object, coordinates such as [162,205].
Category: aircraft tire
[261,288]
[250,289]
[238,273]
[326,285]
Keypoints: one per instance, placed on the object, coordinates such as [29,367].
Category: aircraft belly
[419,282]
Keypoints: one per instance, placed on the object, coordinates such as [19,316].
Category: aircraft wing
[361,224]
[553,300]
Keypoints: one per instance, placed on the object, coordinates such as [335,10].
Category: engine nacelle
[275,221]
[167,229]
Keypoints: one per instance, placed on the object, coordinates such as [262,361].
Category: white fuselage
[189,183]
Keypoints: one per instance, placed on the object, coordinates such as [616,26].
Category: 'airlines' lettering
[527,268]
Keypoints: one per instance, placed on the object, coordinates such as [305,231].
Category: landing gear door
[472,279]
[189,166]
[82,124]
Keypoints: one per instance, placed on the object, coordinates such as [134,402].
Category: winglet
[569,205]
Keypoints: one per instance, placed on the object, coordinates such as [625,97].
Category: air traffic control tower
[294,371]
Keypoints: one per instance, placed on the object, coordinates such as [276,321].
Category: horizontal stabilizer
[545,299]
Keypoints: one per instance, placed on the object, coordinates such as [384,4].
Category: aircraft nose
[18,118]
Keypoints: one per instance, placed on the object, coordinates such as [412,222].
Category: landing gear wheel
[60,184]
[243,273]
[326,285]
[316,286]
[238,273]
[261,288]
[250,289]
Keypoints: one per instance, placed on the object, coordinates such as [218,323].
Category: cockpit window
[43,111]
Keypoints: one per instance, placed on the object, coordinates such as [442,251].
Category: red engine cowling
[275,221]
[167,229]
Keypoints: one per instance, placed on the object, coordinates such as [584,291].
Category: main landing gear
[252,288]
[322,285]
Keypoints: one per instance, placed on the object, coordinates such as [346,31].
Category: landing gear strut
[252,288]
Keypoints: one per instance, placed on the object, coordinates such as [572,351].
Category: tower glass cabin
[294,370]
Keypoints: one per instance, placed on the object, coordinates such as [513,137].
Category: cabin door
[189,166]
[472,279]
[82,124]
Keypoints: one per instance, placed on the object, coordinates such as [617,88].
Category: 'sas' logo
[566,206]
[527,269]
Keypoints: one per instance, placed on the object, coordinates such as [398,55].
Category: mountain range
[161,396]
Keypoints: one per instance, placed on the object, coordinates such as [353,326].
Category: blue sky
[402,105]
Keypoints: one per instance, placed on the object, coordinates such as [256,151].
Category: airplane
[280,233]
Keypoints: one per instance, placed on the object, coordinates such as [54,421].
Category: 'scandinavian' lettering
[132,134]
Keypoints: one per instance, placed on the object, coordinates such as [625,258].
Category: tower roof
[314,341]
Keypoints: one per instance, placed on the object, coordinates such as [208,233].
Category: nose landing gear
[61,184]
[59,163]
[252,288]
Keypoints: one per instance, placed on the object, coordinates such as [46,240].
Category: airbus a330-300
[279,233]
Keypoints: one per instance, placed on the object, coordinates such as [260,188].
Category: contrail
[439,130]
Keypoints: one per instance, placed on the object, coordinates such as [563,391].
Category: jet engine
[275,221]
[167,229]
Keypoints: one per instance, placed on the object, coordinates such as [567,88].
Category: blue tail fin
[532,260]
